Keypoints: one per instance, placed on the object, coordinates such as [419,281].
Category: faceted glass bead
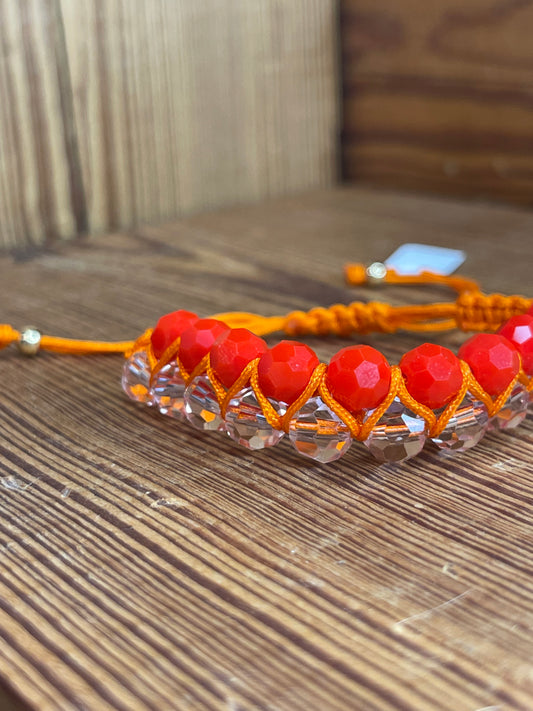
[201,405]
[317,432]
[168,328]
[197,340]
[232,352]
[514,410]
[136,378]
[494,361]
[398,435]
[284,370]
[246,423]
[169,388]
[466,427]
[519,330]
[358,377]
[432,374]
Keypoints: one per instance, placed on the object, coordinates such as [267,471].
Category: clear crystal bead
[317,432]
[514,410]
[246,423]
[466,427]
[168,389]
[201,405]
[398,435]
[136,378]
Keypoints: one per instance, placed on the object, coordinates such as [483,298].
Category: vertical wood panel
[439,96]
[114,113]
[38,170]
[185,106]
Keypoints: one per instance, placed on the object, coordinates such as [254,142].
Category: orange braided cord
[472,311]
[356,275]
[8,335]
[75,347]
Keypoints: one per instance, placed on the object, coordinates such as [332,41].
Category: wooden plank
[438,97]
[41,196]
[116,113]
[185,106]
[146,565]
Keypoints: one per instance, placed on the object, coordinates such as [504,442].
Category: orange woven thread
[356,275]
[472,311]
[449,411]
[220,390]
[379,411]
[308,392]
[351,421]
[170,353]
[8,335]
[242,381]
[140,344]
[70,346]
[270,413]
[200,369]
[481,312]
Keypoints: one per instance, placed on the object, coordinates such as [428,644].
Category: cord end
[373,275]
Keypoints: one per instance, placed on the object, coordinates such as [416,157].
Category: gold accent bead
[376,273]
[29,341]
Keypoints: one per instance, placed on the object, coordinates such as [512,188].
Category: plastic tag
[412,259]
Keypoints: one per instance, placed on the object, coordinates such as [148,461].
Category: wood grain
[145,565]
[116,113]
[438,96]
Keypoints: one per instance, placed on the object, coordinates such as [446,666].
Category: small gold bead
[29,341]
[376,273]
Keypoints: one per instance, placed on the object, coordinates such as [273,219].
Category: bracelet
[218,373]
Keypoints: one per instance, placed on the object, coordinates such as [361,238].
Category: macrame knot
[479,312]
[341,320]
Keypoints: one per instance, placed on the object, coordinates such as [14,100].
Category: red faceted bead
[432,374]
[493,360]
[358,377]
[197,340]
[284,370]
[168,328]
[233,351]
[519,330]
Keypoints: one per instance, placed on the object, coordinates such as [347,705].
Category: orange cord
[471,311]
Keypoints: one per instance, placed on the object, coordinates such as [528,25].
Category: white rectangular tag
[412,259]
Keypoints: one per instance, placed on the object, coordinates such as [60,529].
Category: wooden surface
[437,96]
[115,113]
[145,565]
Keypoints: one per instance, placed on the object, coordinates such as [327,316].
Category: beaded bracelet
[219,374]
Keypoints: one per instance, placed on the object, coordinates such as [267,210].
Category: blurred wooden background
[439,96]
[115,112]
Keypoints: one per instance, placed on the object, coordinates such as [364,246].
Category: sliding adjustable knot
[482,312]
[341,320]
